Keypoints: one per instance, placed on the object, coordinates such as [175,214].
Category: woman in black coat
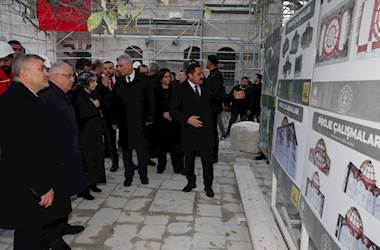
[167,136]
[87,106]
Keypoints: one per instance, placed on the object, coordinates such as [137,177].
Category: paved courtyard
[161,216]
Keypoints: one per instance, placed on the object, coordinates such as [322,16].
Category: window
[227,58]
[135,52]
[192,53]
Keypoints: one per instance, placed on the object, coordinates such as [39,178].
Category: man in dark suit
[33,178]
[238,106]
[106,85]
[215,84]
[61,81]
[133,109]
[254,107]
[190,105]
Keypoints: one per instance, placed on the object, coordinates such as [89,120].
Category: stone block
[245,136]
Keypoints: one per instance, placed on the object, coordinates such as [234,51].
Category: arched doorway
[192,52]
[227,58]
[135,52]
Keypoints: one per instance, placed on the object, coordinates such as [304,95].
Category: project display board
[340,203]
[271,54]
[298,46]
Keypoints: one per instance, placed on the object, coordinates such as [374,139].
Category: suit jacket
[64,120]
[105,95]
[132,107]
[215,84]
[185,103]
[239,105]
[255,99]
[30,163]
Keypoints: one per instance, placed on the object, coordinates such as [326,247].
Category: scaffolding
[171,35]
[13,26]
[164,33]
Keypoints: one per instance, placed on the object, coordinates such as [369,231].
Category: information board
[340,194]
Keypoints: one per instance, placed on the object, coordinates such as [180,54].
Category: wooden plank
[261,223]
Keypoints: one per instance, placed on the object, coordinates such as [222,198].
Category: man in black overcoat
[61,77]
[254,107]
[190,105]
[215,84]
[133,109]
[33,178]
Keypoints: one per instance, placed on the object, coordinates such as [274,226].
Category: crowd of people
[60,122]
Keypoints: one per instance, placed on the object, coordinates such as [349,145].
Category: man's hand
[114,126]
[194,121]
[95,102]
[47,199]
[248,112]
[239,94]
[167,116]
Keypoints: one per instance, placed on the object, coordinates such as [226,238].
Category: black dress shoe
[71,229]
[128,182]
[151,163]
[160,169]
[95,189]
[178,171]
[209,192]
[59,244]
[189,187]
[114,167]
[260,157]
[86,195]
[144,180]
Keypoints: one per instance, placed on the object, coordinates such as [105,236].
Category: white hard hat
[46,61]
[136,64]
[5,49]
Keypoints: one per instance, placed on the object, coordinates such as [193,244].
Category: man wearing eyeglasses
[61,79]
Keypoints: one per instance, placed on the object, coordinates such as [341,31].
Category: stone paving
[160,216]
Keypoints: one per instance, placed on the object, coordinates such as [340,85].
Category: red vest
[5,81]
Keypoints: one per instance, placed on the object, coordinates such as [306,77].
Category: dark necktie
[112,85]
[129,79]
[197,90]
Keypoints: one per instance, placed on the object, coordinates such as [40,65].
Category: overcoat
[30,164]
[64,120]
[166,133]
[132,108]
[215,85]
[90,124]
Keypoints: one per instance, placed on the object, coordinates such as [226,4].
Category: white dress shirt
[193,87]
[34,93]
[131,77]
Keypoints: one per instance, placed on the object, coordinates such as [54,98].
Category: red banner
[63,15]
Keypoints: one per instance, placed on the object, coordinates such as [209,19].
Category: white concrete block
[245,136]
